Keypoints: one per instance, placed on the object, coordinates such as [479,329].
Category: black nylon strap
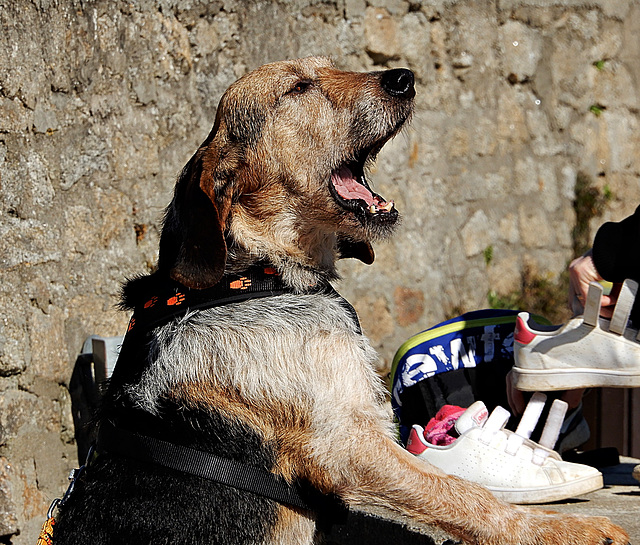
[161,299]
[199,463]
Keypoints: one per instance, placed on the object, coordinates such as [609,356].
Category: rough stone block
[8,515]
[534,227]
[374,311]
[409,305]
[14,116]
[522,49]
[476,234]
[44,120]
[381,34]
[623,139]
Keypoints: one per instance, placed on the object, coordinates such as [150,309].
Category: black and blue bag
[453,363]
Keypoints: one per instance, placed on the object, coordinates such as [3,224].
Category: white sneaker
[586,352]
[510,465]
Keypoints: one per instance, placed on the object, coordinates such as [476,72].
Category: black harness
[160,301]
[166,301]
[201,464]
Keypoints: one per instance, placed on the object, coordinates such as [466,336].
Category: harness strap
[160,300]
[202,464]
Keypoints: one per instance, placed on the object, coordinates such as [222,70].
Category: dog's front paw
[579,530]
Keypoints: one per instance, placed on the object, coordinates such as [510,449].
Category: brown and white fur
[285,383]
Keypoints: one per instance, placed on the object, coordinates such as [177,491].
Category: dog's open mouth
[351,190]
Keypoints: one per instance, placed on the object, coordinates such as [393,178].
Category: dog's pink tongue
[348,187]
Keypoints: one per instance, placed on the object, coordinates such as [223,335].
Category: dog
[264,370]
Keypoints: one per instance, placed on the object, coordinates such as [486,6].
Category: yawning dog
[245,402]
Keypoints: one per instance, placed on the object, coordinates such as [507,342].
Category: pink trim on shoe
[415,445]
[523,334]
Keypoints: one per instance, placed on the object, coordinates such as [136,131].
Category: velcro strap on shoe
[623,306]
[553,424]
[496,421]
[527,423]
[592,305]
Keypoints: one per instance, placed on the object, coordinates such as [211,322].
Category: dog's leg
[386,475]
[351,452]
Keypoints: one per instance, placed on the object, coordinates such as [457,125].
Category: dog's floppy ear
[358,249]
[193,249]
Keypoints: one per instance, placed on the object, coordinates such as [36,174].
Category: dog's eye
[300,87]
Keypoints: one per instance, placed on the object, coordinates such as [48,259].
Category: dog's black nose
[398,83]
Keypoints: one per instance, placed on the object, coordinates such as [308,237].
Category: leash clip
[74,475]
[52,507]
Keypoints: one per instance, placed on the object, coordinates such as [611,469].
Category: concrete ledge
[619,499]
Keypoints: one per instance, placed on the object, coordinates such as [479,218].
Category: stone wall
[101,103]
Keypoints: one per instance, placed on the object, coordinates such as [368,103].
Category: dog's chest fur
[263,350]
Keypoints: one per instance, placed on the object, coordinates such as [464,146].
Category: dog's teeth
[380,206]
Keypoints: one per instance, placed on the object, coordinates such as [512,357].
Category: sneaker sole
[547,494]
[548,380]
